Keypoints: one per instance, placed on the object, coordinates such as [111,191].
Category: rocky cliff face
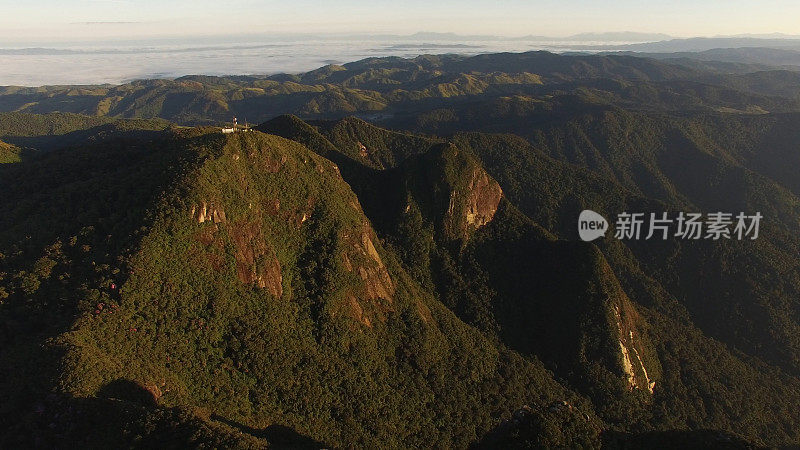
[451,190]
[256,261]
[208,212]
[480,201]
[254,258]
[629,339]
[474,195]
[636,355]
[377,281]
[374,298]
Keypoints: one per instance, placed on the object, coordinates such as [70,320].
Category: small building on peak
[237,127]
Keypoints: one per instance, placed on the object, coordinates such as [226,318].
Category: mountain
[206,284]
[779,83]
[42,133]
[621,36]
[487,280]
[449,250]
[382,89]
[699,44]
[240,276]
[398,265]
[669,320]
[764,36]
[429,35]
[618,36]
[696,163]
[760,56]
[377,88]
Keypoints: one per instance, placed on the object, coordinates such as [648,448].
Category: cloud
[104,23]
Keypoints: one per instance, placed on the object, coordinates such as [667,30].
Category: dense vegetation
[380,89]
[131,294]
[8,153]
[488,282]
[328,282]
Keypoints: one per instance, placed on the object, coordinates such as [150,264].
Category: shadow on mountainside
[278,436]
[71,219]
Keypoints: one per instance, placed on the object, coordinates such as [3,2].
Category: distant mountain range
[623,36]
[635,41]
[702,44]
[763,56]
[393,88]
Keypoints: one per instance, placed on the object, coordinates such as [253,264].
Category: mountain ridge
[397,263]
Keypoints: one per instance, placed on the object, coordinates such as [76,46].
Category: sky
[75,20]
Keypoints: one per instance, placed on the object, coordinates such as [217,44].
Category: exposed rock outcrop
[256,262]
[376,296]
[376,278]
[484,196]
[255,259]
[475,206]
[629,328]
[632,364]
[270,276]
[208,212]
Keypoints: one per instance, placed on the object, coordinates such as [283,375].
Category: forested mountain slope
[381,88]
[243,279]
[510,266]
[8,153]
[397,264]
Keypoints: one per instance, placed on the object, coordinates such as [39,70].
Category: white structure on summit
[236,127]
